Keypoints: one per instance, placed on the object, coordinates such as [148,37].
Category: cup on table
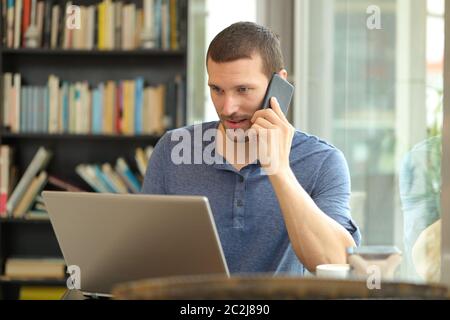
[333,271]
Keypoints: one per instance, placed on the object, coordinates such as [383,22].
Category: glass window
[221,14]
[208,18]
[372,85]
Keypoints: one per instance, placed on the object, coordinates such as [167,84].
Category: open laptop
[115,238]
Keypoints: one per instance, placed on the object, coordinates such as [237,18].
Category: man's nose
[230,105]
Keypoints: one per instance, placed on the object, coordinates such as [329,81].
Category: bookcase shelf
[93,53]
[23,221]
[35,238]
[82,137]
[31,282]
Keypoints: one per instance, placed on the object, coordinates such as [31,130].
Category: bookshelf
[159,65]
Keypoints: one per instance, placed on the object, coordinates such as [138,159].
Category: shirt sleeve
[154,180]
[332,192]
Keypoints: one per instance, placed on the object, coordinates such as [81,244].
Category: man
[297,216]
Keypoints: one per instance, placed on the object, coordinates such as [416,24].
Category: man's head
[240,61]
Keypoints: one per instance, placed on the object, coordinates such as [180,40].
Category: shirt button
[240,203]
[241,179]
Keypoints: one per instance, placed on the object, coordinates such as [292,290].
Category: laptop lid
[115,238]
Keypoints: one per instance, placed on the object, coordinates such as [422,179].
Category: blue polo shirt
[244,205]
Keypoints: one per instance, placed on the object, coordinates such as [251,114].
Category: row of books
[106,25]
[120,179]
[23,195]
[126,107]
[23,200]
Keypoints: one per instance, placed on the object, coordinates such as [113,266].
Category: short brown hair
[243,39]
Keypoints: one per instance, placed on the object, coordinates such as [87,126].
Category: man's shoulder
[307,144]
[312,155]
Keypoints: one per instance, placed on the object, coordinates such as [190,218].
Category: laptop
[116,238]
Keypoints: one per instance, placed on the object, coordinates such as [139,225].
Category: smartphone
[280,89]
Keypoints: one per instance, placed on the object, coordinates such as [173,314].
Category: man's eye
[243,90]
[215,89]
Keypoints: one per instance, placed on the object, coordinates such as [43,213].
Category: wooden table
[269,287]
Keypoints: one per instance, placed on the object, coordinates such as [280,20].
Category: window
[370,75]
[208,18]
[221,14]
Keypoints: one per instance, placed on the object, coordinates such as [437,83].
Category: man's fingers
[276,107]
[264,123]
[267,114]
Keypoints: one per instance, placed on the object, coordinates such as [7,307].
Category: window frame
[445,164]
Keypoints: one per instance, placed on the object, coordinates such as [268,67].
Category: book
[40,206]
[90,178]
[15,118]
[53,88]
[39,162]
[119,184]
[138,101]
[101,26]
[17,23]
[40,199]
[47,27]
[40,21]
[41,293]
[180,118]
[28,198]
[5,170]
[10,24]
[104,180]
[42,268]
[66,33]
[174,42]
[127,175]
[37,215]
[128,106]
[57,182]
[7,87]
[141,160]
[26,18]
[54,27]
[109,110]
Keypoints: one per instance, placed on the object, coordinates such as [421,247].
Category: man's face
[237,90]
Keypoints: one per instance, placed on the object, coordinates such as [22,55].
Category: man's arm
[315,237]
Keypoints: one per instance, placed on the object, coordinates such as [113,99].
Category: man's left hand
[274,136]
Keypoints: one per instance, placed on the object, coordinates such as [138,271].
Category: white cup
[333,271]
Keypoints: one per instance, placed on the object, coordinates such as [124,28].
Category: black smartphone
[280,89]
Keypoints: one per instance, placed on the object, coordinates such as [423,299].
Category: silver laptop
[116,238]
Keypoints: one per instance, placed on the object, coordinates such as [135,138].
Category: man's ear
[283,73]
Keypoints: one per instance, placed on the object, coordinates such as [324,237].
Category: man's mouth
[236,124]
